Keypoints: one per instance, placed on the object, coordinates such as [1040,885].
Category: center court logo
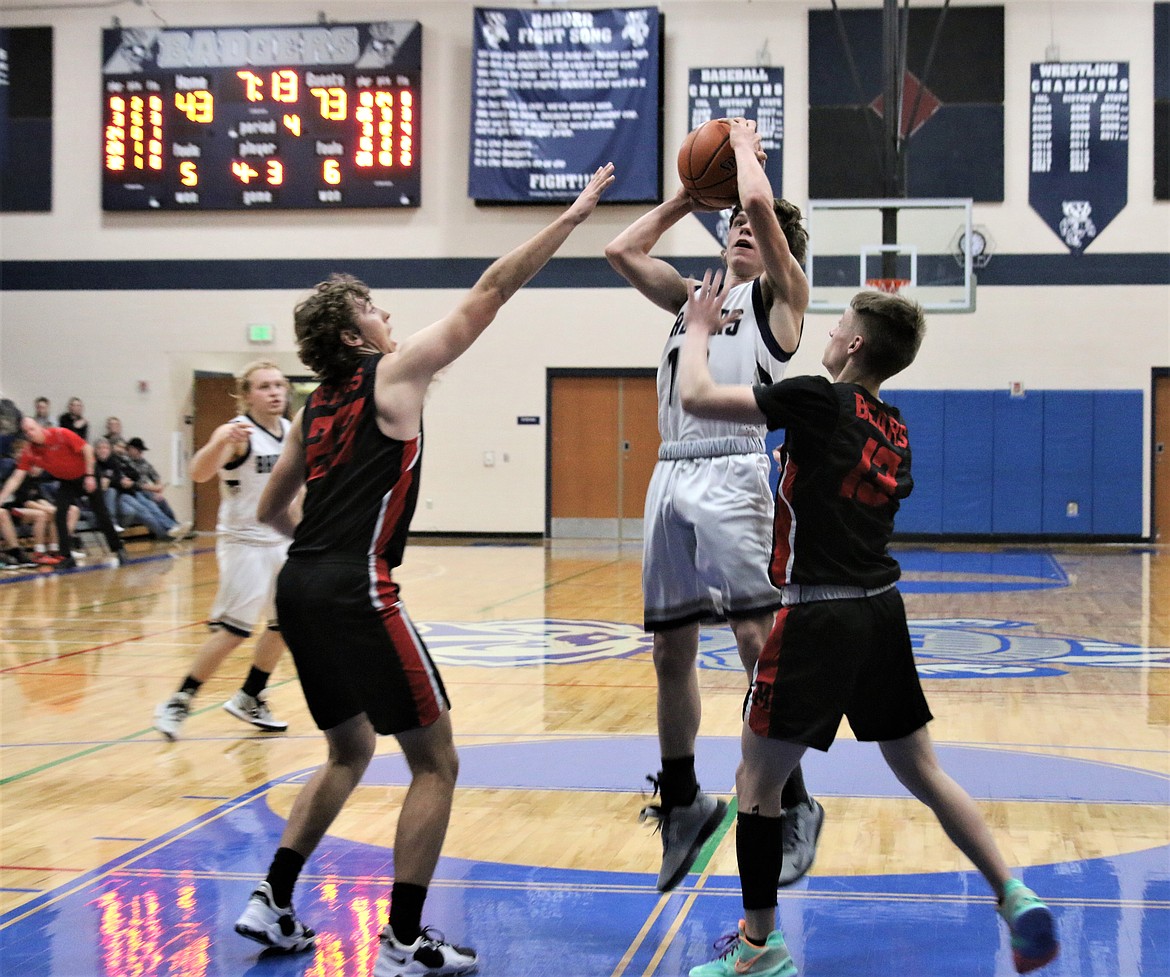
[943,647]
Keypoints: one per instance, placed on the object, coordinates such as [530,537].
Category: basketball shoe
[799,831]
[684,829]
[430,954]
[265,922]
[1034,940]
[739,956]
[169,716]
[255,710]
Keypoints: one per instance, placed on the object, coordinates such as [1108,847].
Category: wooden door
[214,405]
[1160,503]
[603,443]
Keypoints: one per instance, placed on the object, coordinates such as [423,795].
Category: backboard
[916,247]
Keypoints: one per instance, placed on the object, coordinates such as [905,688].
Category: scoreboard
[261,118]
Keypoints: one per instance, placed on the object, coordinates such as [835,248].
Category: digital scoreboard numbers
[246,118]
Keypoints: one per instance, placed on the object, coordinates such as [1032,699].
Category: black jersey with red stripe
[360,485]
[845,470]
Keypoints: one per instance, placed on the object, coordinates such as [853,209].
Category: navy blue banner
[26,119]
[749,93]
[556,94]
[1079,173]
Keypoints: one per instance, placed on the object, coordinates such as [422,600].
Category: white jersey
[745,352]
[242,481]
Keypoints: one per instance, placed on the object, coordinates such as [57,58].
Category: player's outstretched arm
[629,253]
[437,345]
[699,393]
[276,508]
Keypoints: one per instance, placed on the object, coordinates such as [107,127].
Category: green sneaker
[738,957]
[1034,940]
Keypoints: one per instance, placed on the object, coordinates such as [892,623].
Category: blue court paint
[167,908]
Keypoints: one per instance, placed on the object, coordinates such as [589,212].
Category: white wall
[99,345]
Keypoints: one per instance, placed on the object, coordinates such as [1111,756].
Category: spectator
[29,507]
[74,419]
[10,418]
[13,557]
[150,483]
[126,503]
[41,412]
[63,455]
[114,432]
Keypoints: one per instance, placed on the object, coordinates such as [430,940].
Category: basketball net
[891,285]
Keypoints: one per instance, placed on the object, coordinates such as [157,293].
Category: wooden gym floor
[1048,669]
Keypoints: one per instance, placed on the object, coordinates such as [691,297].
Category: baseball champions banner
[1079,172]
[556,94]
[749,93]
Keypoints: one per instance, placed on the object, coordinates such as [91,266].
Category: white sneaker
[265,922]
[169,716]
[255,711]
[429,955]
[179,530]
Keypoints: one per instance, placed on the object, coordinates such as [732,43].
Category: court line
[141,852]
[550,585]
[705,856]
[703,866]
[106,744]
[109,644]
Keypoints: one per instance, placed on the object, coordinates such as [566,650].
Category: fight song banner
[556,94]
[1078,180]
[750,93]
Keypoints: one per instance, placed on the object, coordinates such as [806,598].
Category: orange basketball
[706,165]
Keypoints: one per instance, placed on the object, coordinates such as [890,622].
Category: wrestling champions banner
[1079,161]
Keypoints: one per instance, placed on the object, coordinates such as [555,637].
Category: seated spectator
[128,505]
[74,419]
[37,517]
[63,454]
[114,432]
[41,413]
[10,418]
[13,557]
[150,482]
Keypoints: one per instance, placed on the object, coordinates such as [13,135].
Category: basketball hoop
[891,285]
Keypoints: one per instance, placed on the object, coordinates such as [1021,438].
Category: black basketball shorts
[355,648]
[832,658]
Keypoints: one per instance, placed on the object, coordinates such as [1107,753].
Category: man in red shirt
[66,457]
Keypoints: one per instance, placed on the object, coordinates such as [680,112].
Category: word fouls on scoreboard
[377,121]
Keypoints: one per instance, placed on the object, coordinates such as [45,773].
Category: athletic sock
[760,853]
[406,905]
[190,684]
[255,683]
[282,875]
[677,783]
[794,790]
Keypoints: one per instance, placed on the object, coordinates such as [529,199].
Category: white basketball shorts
[247,584]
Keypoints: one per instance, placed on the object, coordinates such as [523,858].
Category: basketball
[706,165]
